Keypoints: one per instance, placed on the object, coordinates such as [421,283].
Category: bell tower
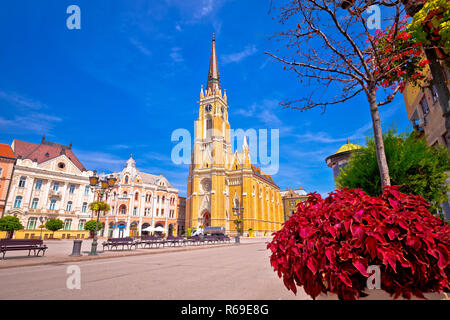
[211,153]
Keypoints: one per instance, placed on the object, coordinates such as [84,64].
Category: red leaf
[358,265]
[312,265]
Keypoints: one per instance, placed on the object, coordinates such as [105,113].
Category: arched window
[209,126]
[123,210]
[69,206]
[136,196]
[18,202]
[126,179]
[125,194]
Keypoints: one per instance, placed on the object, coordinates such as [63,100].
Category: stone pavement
[59,252]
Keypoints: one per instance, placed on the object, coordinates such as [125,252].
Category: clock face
[208,108]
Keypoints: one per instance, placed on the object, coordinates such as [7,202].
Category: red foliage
[327,245]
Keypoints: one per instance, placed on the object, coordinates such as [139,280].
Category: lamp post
[238,211]
[100,187]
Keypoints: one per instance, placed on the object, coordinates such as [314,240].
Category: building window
[126,179]
[52,204]
[55,186]
[135,211]
[81,224]
[125,194]
[86,190]
[136,196]
[31,225]
[34,203]
[69,206]
[84,207]
[424,104]
[157,199]
[18,202]
[157,212]
[122,209]
[72,188]
[67,224]
[22,182]
[434,93]
[38,185]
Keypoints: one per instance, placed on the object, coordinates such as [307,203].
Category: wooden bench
[116,242]
[150,241]
[37,245]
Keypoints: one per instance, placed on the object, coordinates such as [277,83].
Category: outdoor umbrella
[161,229]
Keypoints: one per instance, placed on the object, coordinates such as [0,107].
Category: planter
[379,294]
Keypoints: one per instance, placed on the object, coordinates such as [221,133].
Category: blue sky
[132,75]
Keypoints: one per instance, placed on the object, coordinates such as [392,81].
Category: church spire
[213,73]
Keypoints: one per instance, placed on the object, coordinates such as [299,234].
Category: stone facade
[139,200]
[48,182]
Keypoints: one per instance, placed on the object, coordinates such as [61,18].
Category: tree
[335,48]
[10,224]
[93,226]
[413,165]
[54,225]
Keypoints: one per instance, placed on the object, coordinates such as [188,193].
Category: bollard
[76,251]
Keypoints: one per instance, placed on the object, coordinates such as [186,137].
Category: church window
[126,179]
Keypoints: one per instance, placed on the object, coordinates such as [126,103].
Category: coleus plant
[328,244]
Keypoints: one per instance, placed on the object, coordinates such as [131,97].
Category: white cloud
[140,46]
[265,112]
[239,56]
[31,122]
[176,55]
[20,100]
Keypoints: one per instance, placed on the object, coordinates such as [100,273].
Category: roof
[262,175]
[6,151]
[45,151]
[348,147]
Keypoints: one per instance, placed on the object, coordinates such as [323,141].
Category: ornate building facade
[48,182]
[7,160]
[291,197]
[139,200]
[220,180]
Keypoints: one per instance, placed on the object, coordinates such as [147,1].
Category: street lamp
[238,211]
[100,187]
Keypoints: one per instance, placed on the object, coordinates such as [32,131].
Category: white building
[48,182]
[139,200]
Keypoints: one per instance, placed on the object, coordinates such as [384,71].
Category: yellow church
[224,188]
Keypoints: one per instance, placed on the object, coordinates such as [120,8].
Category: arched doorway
[206,219]
[145,225]
[121,226]
[134,229]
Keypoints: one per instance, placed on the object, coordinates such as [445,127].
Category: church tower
[224,188]
[211,152]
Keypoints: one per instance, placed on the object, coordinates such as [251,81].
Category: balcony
[54,194]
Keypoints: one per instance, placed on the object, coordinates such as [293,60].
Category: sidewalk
[59,252]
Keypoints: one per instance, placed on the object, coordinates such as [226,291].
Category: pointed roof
[213,73]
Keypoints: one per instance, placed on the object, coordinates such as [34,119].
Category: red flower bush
[327,245]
